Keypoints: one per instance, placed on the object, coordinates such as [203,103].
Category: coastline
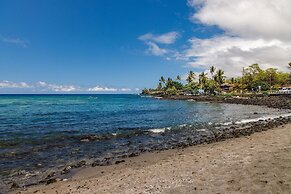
[259,163]
[281,102]
[220,134]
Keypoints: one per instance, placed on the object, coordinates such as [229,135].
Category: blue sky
[111,45]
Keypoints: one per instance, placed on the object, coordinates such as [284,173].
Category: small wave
[201,130]
[226,123]
[244,121]
[161,130]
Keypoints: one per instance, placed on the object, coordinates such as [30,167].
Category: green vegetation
[253,80]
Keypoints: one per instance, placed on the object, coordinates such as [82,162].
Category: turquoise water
[44,131]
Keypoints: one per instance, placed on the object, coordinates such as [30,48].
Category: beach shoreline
[218,135]
[259,163]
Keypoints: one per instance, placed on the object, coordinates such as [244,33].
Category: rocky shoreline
[281,102]
[190,137]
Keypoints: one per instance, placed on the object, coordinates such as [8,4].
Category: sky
[113,46]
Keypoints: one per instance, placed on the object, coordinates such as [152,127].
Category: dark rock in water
[119,161]
[133,154]
[52,180]
[79,164]
[255,113]
[14,185]
[96,163]
[52,174]
[66,170]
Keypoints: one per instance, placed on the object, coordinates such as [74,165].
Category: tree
[177,85]
[145,91]
[211,86]
[169,83]
[160,86]
[178,78]
[219,77]
[191,77]
[263,85]
[270,76]
[191,87]
[172,91]
[202,79]
[162,80]
[212,70]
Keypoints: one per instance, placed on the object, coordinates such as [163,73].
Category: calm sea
[44,131]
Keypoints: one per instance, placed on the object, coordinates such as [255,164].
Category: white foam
[161,130]
[262,118]
[226,123]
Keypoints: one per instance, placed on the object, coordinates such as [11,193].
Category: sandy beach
[260,163]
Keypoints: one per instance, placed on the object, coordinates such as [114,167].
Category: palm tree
[212,70]
[219,77]
[162,79]
[191,77]
[178,78]
[202,79]
[169,83]
[160,86]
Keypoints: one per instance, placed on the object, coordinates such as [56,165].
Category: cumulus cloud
[154,49]
[45,87]
[247,18]
[57,88]
[9,84]
[16,41]
[234,53]
[102,89]
[167,38]
[255,32]
[125,90]
[154,42]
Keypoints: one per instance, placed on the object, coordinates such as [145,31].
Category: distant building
[225,86]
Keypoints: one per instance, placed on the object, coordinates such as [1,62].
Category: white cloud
[167,38]
[64,88]
[42,86]
[153,42]
[233,53]
[102,89]
[57,88]
[247,18]
[9,84]
[16,41]
[255,32]
[154,49]
[125,89]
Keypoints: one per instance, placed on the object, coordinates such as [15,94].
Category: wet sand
[260,163]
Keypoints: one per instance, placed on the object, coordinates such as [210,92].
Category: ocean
[41,132]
